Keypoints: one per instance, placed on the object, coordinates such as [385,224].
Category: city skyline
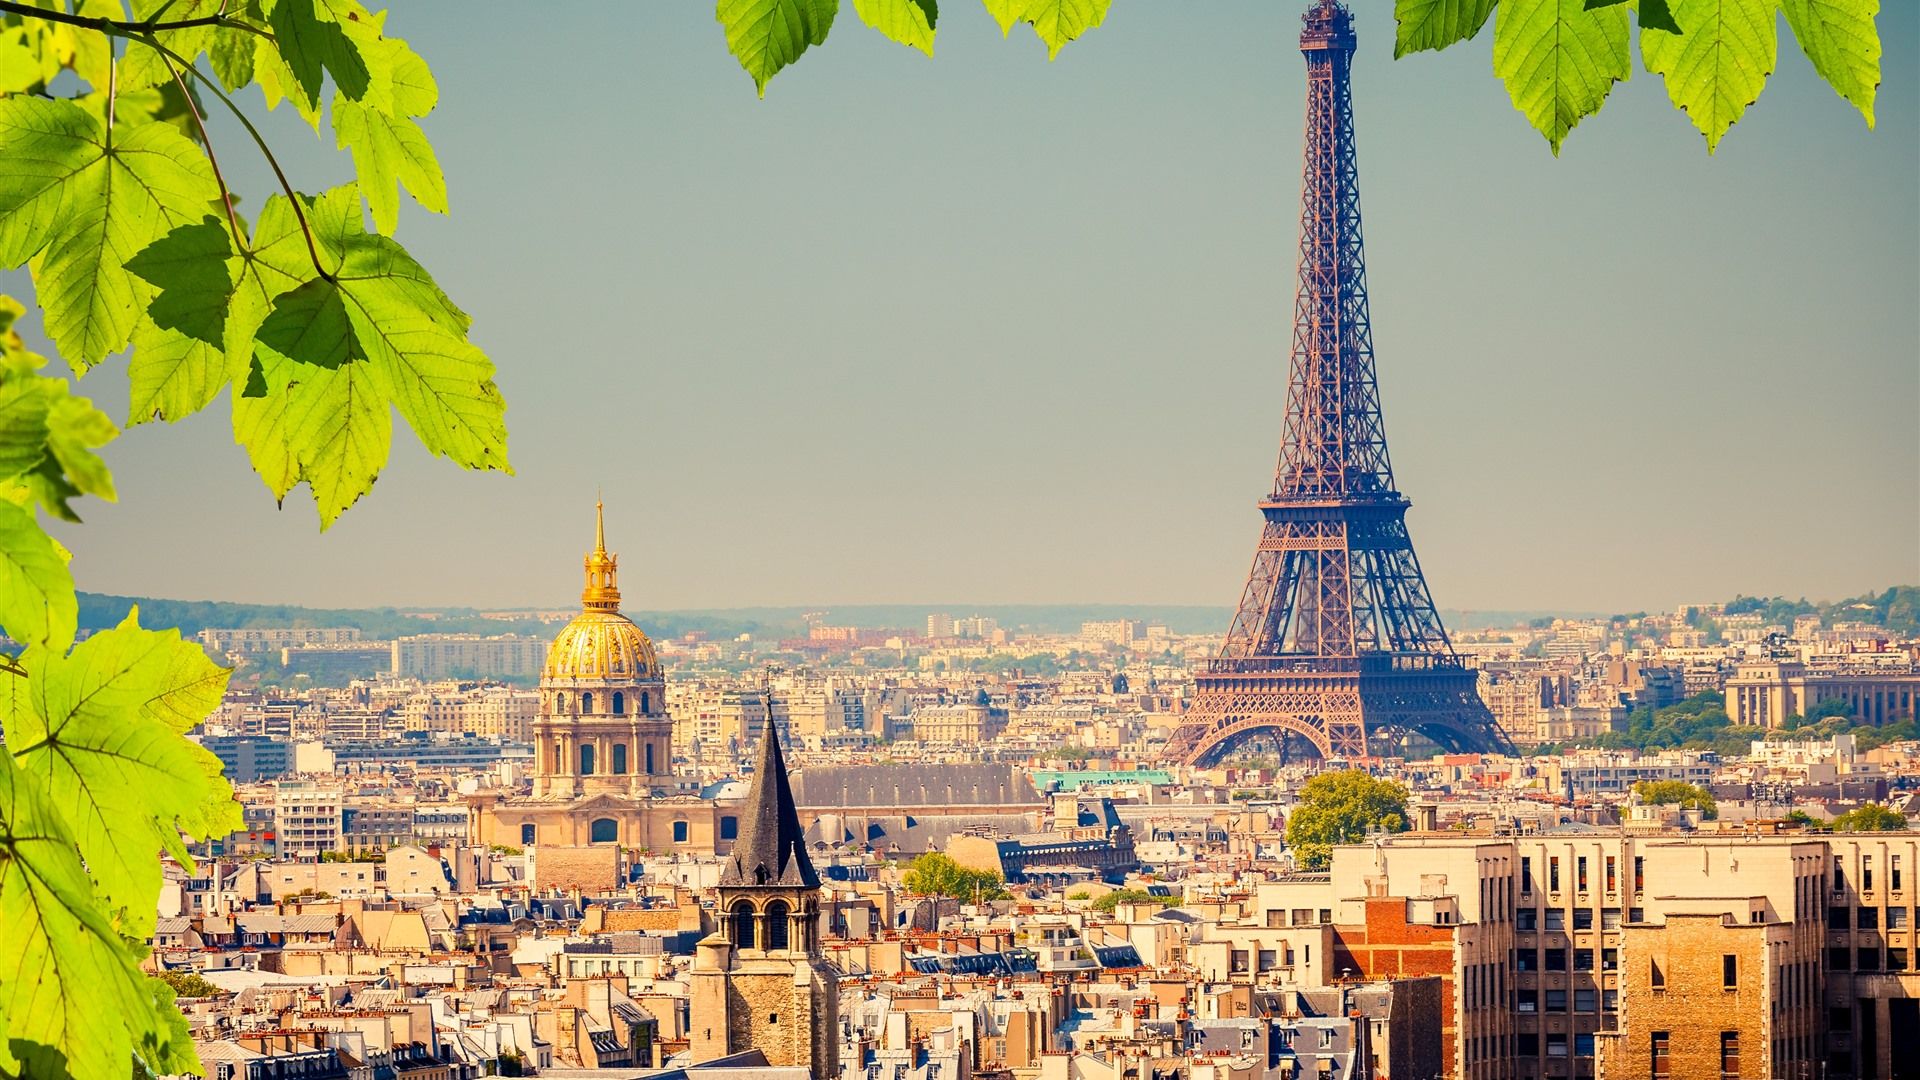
[1610,426]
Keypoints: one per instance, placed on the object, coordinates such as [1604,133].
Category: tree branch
[299,211]
[206,140]
[118,28]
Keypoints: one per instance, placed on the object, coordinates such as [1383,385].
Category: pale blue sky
[988,329]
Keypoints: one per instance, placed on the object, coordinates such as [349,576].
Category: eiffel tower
[1336,642]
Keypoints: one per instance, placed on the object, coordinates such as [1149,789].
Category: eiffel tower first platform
[1336,642]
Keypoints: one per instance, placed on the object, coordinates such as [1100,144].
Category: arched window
[526,834]
[586,702]
[557,767]
[586,759]
[604,831]
[650,769]
[644,706]
[619,703]
[777,924]
[619,754]
[742,916]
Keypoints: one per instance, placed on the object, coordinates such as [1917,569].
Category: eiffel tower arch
[1336,645]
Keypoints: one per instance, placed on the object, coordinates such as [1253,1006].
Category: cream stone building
[603,744]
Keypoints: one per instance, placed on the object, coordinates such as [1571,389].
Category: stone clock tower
[759,982]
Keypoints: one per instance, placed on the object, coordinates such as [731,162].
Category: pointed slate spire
[772,848]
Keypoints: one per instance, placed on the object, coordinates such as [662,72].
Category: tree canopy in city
[1677,793]
[113,196]
[1559,59]
[1342,808]
[1872,817]
[937,874]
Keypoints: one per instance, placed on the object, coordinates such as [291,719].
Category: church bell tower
[759,982]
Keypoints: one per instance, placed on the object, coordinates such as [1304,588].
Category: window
[680,832]
[1580,873]
[1729,1053]
[1586,1001]
[778,924]
[603,831]
[1527,1043]
[1526,1001]
[1613,881]
[742,924]
[1662,1063]
[1526,960]
[1556,919]
[1609,959]
[1556,1001]
[586,760]
[645,705]
[1556,960]
[1526,918]
[619,757]
[1896,959]
[1583,918]
[1526,875]
[1610,1000]
[1656,977]
[1583,959]
[1553,874]
[1556,1044]
[526,834]
[1869,919]
[729,827]
[1866,959]
[586,702]
[1893,872]
[1637,915]
[1729,972]
[651,770]
[1839,874]
[1866,873]
[619,703]
[1639,873]
[1326,1036]
[1897,918]
[1838,918]
[1610,918]
[1583,1045]
[1838,959]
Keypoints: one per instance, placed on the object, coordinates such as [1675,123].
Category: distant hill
[98,611]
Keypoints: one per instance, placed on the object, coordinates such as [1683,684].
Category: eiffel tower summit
[1336,643]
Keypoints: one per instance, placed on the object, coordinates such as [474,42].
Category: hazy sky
[988,329]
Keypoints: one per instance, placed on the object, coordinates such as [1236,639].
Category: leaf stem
[206,140]
[120,28]
[299,211]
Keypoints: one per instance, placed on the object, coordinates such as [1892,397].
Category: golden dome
[601,643]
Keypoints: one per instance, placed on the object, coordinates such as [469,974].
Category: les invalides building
[603,753]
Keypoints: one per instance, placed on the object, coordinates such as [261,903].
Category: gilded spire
[602,592]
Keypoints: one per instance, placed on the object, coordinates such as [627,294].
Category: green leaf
[316,406]
[389,149]
[313,47]
[47,437]
[1559,61]
[1839,37]
[309,324]
[72,994]
[1719,65]
[1057,22]
[93,207]
[1436,24]
[180,359]
[231,56]
[141,65]
[37,603]
[1657,15]
[45,147]
[909,22]
[98,728]
[767,35]
[1006,13]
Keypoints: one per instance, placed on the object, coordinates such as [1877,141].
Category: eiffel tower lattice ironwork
[1336,640]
